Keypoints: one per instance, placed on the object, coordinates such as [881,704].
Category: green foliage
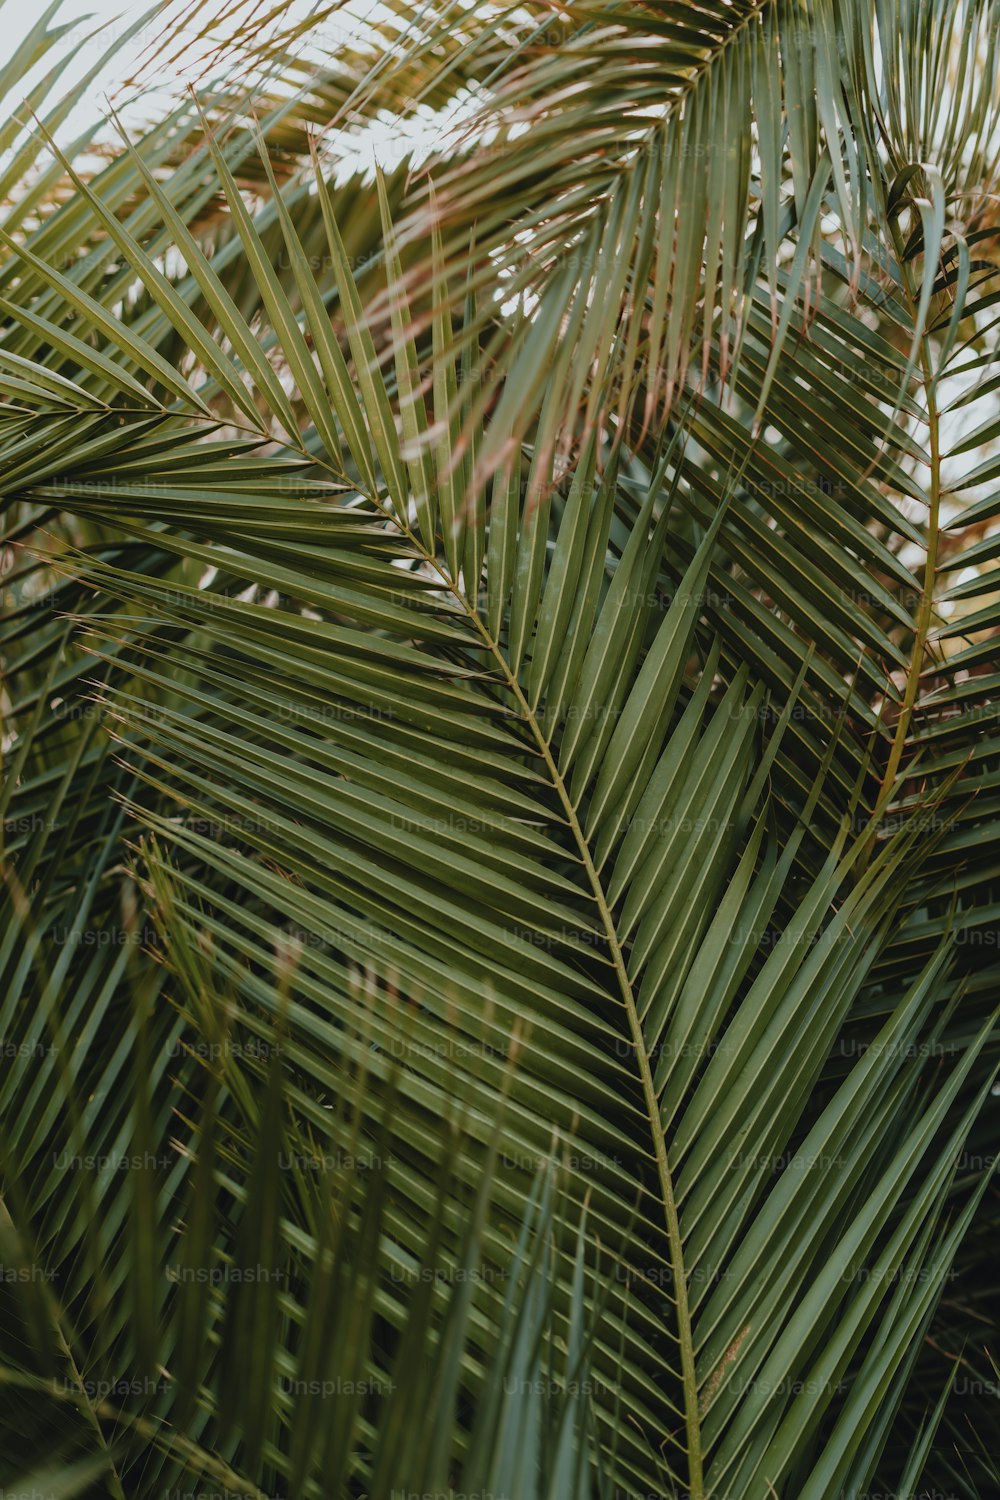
[501,800]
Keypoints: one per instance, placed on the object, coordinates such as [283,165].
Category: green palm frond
[500,794]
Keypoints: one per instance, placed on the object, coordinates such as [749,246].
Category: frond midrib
[692,1410]
[692,1418]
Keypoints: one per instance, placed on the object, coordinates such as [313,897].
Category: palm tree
[499,956]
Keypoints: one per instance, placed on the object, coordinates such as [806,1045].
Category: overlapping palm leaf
[407,675]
